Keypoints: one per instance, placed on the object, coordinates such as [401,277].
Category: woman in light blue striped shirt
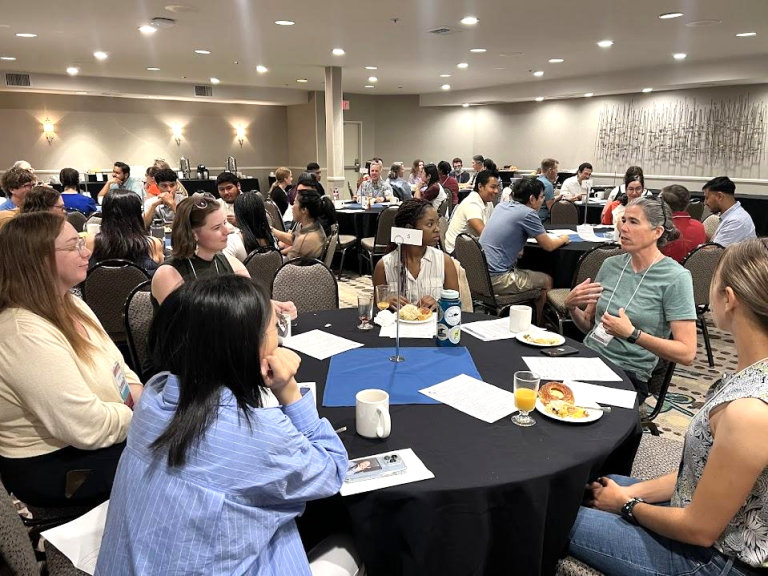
[211,480]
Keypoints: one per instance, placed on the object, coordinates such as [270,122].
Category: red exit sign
[345,104]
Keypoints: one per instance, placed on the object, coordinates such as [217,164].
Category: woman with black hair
[426,271]
[73,199]
[211,480]
[254,224]
[123,235]
[431,190]
[613,211]
[314,214]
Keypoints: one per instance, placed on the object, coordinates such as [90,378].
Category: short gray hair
[659,214]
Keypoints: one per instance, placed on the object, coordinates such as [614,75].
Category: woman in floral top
[710,516]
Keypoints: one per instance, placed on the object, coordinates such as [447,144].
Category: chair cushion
[556,299]
[656,456]
[346,240]
[367,244]
[571,567]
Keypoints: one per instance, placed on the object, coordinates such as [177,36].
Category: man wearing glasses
[16,182]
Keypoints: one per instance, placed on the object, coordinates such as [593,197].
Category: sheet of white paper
[415,472]
[319,344]
[562,368]
[488,330]
[268,399]
[587,233]
[559,232]
[550,234]
[80,539]
[474,397]
[426,330]
[592,201]
[603,394]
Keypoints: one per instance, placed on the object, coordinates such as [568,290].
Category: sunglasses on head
[202,199]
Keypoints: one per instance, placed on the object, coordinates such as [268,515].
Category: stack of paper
[319,344]
[564,368]
[474,397]
[489,330]
[415,472]
[587,234]
[80,539]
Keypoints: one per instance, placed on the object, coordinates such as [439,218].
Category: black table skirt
[594,213]
[192,186]
[503,498]
[360,223]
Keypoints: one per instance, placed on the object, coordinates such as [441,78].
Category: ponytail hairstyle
[69,178]
[320,208]
[659,214]
[252,219]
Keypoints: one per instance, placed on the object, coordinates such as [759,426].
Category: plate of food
[410,314]
[540,338]
[556,401]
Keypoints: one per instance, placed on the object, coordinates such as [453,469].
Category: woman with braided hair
[426,270]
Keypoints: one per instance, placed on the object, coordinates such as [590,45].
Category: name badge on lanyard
[122,385]
[600,335]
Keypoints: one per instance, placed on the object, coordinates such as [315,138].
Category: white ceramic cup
[520,318]
[372,413]
[600,195]
[93,229]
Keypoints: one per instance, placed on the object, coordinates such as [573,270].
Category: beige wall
[303,133]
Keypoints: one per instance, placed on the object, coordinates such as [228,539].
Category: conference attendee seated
[376,188]
[639,298]
[471,216]
[416,177]
[211,481]
[123,235]
[461,175]
[16,182]
[448,182]
[578,186]
[548,179]
[255,231]
[161,164]
[24,165]
[73,198]
[431,190]
[228,185]
[43,199]
[312,213]
[613,211]
[163,206]
[121,178]
[66,391]
[314,169]
[629,175]
[477,167]
[691,231]
[278,192]
[736,224]
[398,183]
[505,235]
[426,270]
[710,516]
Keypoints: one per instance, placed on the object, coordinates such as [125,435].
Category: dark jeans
[66,477]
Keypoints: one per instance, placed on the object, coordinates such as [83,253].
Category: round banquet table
[561,263]
[503,498]
[594,212]
[358,223]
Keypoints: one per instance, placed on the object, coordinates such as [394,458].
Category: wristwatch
[626,510]
[632,338]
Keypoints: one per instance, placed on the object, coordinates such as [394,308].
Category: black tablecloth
[503,498]
[360,223]
[594,212]
[246,185]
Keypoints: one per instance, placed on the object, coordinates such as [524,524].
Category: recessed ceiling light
[469,20]
[703,23]
[446,86]
[261,69]
[370,86]
[499,68]
[203,52]
[679,56]
[147,29]
[7,58]
[445,76]
[478,50]
[670,15]
[540,99]
[301,80]
[647,90]
[285,22]
[539,73]
[215,80]
[372,79]
[153,69]
[465,105]
[81,93]
[73,70]
[605,43]
[338,52]
[589,95]
[556,60]
[100,55]
[462,65]
[371,67]
[746,34]
[26,35]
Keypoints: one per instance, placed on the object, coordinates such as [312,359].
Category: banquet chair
[587,267]
[344,243]
[701,263]
[77,219]
[372,248]
[696,209]
[442,210]
[442,224]
[658,386]
[262,264]
[137,317]
[309,284]
[275,218]
[471,256]
[16,553]
[105,290]
[706,213]
[260,195]
[94,218]
[564,212]
[330,246]
[711,224]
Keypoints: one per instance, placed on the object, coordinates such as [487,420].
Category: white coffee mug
[93,229]
[600,195]
[520,318]
[372,413]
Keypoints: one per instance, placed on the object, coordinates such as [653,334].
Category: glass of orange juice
[383,297]
[526,392]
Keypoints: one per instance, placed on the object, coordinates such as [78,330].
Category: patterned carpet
[689,383]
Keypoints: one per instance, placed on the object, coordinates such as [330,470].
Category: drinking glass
[383,297]
[526,392]
[364,309]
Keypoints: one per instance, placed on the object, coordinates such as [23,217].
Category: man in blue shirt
[548,178]
[504,238]
[735,223]
[121,178]
[16,182]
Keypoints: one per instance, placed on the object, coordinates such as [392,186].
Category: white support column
[334,129]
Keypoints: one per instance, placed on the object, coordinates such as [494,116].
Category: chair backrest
[711,224]
[442,224]
[262,264]
[137,318]
[93,219]
[330,245]
[260,195]
[590,262]
[696,209]
[16,552]
[701,263]
[564,212]
[77,219]
[273,212]
[442,210]
[105,290]
[384,226]
[706,213]
[472,258]
[309,284]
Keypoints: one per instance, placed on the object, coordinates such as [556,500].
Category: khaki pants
[518,280]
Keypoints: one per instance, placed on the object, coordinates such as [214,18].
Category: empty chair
[711,224]
[77,219]
[345,242]
[262,264]
[564,213]
[376,247]
[309,284]
[273,213]
[442,224]
[701,263]
[137,318]
[330,245]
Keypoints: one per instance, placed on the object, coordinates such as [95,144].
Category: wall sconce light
[48,131]
[240,135]
[177,134]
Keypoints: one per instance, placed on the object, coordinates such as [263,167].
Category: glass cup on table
[526,391]
[383,297]
[364,311]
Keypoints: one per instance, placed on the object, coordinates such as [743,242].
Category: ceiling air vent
[203,91]
[443,31]
[17,80]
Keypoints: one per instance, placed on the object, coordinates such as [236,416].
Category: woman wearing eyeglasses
[65,391]
[43,199]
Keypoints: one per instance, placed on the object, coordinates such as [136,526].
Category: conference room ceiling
[519,38]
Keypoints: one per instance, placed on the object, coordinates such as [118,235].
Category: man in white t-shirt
[576,187]
[473,212]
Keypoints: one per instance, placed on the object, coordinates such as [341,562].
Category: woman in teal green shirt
[639,298]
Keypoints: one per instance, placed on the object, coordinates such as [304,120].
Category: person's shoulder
[16,322]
